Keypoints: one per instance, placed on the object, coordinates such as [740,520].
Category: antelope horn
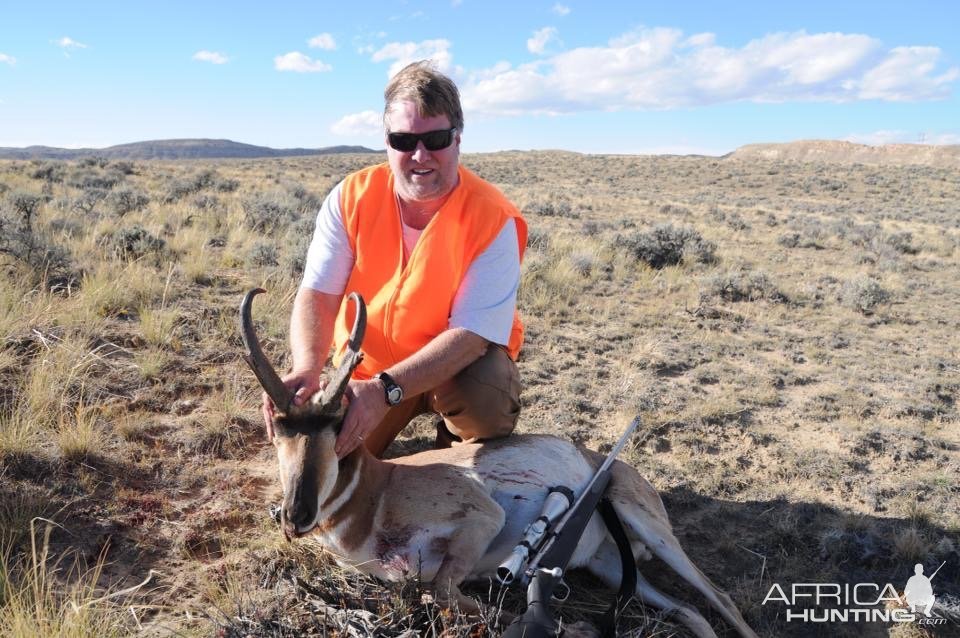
[266,375]
[351,358]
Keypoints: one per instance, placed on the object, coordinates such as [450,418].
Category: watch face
[394,395]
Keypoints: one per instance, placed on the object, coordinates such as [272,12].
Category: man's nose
[420,153]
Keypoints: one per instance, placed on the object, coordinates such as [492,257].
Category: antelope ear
[280,426]
[332,412]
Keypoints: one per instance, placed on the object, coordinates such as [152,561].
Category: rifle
[551,544]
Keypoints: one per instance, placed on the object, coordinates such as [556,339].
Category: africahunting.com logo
[860,602]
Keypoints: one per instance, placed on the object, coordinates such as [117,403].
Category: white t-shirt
[484,303]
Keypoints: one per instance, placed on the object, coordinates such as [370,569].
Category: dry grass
[79,435]
[58,597]
[17,434]
[787,331]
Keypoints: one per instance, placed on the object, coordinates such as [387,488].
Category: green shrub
[267,212]
[206,202]
[127,200]
[538,239]
[902,242]
[87,178]
[177,189]
[551,208]
[667,245]
[583,263]
[88,200]
[25,205]
[674,209]
[743,285]
[736,222]
[307,201]
[24,242]
[295,244]
[131,243]
[262,253]
[226,185]
[794,239]
[51,171]
[94,160]
[863,294]
[789,240]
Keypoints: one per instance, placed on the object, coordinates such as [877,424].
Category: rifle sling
[628,580]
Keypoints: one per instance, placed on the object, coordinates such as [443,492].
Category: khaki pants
[481,402]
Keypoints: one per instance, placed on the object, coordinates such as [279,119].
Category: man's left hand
[365,412]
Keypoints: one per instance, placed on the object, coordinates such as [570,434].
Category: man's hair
[432,92]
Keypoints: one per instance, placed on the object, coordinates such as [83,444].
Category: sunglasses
[432,140]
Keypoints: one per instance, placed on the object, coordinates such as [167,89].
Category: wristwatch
[392,392]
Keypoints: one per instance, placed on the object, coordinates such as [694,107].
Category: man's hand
[303,385]
[311,331]
[365,412]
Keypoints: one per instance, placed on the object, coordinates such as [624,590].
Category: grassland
[787,331]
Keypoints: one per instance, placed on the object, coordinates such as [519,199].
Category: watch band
[392,392]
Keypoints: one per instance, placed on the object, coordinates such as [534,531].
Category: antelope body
[453,515]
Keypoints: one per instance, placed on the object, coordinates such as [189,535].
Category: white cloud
[403,53]
[299,63]
[323,41]
[942,138]
[363,124]
[877,138]
[905,75]
[700,40]
[560,9]
[70,43]
[417,15]
[210,56]
[7,59]
[367,43]
[541,39]
[662,68]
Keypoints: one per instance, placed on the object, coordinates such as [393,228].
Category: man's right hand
[311,332]
[303,385]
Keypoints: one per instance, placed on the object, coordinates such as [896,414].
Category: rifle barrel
[607,462]
[938,569]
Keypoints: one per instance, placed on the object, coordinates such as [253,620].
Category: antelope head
[304,435]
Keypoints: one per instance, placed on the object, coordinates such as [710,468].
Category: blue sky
[614,77]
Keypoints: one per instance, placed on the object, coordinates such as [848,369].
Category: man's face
[421,175]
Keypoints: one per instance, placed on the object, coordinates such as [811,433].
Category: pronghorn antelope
[453,515]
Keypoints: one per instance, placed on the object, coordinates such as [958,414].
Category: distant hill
[174,149]
[836,152]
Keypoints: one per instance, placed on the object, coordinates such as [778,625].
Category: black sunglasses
[432,140]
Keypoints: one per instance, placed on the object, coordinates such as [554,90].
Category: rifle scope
[558,501]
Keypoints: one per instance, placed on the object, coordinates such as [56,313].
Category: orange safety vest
[407,306]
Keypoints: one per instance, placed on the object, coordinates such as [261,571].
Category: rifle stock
[536,621]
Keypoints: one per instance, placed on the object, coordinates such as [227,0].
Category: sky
[596,77]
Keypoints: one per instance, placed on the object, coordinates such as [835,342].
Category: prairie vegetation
[787,331]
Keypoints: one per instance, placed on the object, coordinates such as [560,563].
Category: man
[919,591]
[435,253]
